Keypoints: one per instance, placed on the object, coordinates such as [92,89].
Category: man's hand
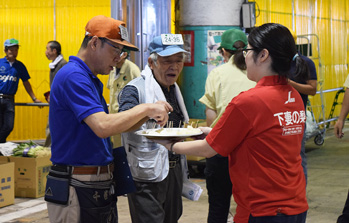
[38,101]
[166,104]
[338,127]
[160,111]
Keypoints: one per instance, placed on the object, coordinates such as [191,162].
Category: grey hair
[154,57]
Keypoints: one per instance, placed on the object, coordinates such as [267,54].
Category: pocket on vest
[146,164]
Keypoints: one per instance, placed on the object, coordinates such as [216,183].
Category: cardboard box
[4,159]
[7,183]
[30,175]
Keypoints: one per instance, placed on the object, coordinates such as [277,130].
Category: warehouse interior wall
[34,23]
[327,20]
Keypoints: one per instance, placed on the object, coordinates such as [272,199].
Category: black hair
[85,41]
[239,59]
[126,50]
[6,47]
[88,38]
[55,45]
[278,40]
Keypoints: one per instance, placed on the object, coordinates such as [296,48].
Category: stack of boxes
[22,177]
[7,182]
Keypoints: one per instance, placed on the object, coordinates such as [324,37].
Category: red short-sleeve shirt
[261,132]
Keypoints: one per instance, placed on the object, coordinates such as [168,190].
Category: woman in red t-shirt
[261,132]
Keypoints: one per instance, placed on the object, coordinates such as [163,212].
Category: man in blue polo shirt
[11,70]
[79,186]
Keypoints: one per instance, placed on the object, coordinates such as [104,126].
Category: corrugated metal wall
[32,23]
[328,19]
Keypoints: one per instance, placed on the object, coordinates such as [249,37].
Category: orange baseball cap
[109,28]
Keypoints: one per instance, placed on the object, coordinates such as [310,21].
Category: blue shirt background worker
[11,70]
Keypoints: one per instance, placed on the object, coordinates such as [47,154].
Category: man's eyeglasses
[245,51]
[118,50]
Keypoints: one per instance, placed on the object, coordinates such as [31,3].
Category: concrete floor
[328,183]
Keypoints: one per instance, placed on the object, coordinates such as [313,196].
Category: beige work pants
[70,213]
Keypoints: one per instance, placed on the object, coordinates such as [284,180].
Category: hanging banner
[214,58]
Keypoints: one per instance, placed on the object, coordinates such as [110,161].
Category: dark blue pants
[219,188]
[7,117]
[299,218]
[344,218]
[304,159]
[97,205]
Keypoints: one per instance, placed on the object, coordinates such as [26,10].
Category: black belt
[174,160]
[6,96]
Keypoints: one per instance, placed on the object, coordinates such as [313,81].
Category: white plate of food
[163,133]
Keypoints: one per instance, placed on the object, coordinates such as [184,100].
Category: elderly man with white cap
[157,173]
[80,185]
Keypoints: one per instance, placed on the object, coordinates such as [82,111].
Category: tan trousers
[70,213]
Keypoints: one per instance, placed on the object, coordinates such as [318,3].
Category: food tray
[163,133]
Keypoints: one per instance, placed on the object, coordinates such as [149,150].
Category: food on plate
[172,131]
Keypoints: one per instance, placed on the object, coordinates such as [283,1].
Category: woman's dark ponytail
[239,59]
[278,40]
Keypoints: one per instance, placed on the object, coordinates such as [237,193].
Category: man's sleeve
[209,98]
[110,78]
[23,72]
[128,98]
[312,69]
[81,96]
[135,72]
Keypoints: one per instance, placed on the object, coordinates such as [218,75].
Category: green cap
[126,49]
[229,37]
[11,42]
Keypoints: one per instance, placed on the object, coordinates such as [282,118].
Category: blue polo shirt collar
[6,60]
[83,66]
[81,63]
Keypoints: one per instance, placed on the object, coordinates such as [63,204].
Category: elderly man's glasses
[118,50]
[245,51]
